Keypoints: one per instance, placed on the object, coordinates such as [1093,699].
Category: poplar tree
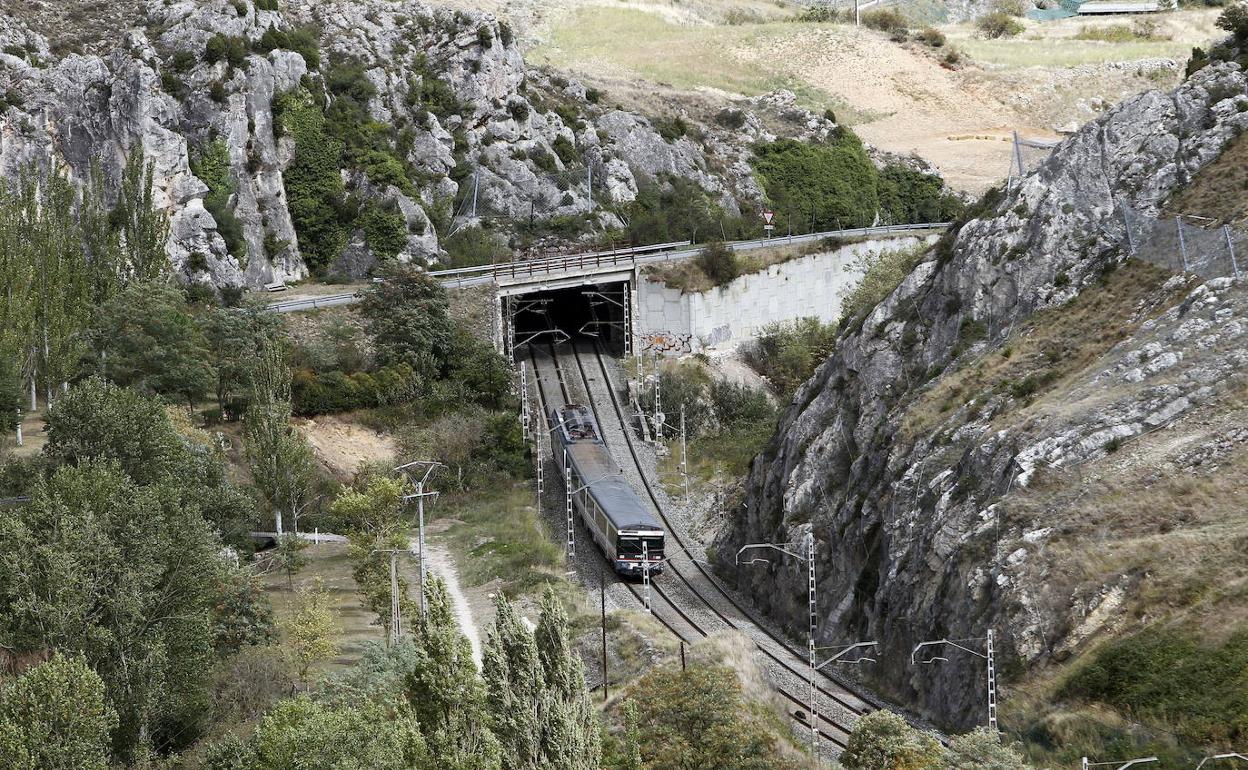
[446,692]
[572,740]
[281,462]
[515,692]
[143,230]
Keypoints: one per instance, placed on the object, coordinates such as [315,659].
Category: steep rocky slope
[223,96]
[954,458]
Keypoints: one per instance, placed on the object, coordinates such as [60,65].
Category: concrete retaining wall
[673,322]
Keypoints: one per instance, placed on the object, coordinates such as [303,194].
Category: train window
[630,545]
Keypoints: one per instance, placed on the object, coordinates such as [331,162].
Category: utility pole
[659,417]
[420,496]
[19,426]
[567,487]
[812,604]
[989,655]
[684,453]
[396,609]
[1230,245]
[476,187]
[602,598]
[526,415]
[1182,244]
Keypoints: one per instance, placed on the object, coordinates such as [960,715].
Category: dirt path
[440,563]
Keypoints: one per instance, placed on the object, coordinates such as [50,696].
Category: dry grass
[1220,189]
[627,42]
[1179,534]
[1057,43]
[1050,347]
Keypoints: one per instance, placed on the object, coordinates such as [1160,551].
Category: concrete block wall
[674,322]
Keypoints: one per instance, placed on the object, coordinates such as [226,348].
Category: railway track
[694,591]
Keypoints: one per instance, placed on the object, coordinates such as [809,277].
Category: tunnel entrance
[590,312]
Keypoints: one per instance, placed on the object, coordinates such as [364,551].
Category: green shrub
[485,36]
[314,189]
[718,262]
[474,246]
[172,84]
[788,353]
[730,118]
[431,91]
[931,37]
[337,391]
[212,166]
[226,48]
[1234,19]
[519,110]
[505,34]
[822,14]
[883,739]
[10,394]
[885,20]
[671,129]
[266,5]
[301,40]
[820,186]
[385,230]
[182,61]
[907,196]
[676,209]
[738,405]
[700,717]
[566,150]
[881,273]
[1169,677]
[998,24]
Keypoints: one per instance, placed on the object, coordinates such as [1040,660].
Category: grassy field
[497,534]
[631,43]
[356,622]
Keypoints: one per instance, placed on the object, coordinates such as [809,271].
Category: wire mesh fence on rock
[1179,245]
[1026,155]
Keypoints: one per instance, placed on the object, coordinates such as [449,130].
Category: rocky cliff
[952,459]
[447,111]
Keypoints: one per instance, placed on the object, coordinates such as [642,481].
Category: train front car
[620,523]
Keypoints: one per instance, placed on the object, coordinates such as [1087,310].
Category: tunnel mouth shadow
[592,312]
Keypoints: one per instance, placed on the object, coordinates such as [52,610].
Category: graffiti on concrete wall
[667,342]
[719,335]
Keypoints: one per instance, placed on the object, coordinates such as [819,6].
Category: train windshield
[631,545]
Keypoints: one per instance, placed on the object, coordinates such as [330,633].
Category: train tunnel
[595,311]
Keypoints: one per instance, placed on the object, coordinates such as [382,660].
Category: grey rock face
[901,522]
[503,144]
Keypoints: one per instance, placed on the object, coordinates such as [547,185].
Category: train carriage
[619,521]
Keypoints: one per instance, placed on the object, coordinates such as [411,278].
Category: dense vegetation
[59,257]
[1172,678]
[833,185]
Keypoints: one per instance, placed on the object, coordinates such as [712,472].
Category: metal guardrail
[592,261]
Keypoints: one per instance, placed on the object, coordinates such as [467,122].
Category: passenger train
[619,521]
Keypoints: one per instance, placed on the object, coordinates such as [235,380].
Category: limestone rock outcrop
[910,545]
[514,142]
